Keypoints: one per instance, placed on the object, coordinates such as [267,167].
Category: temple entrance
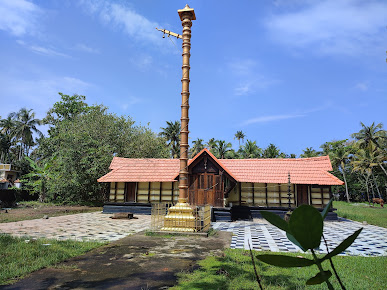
[205,188]
[302,194]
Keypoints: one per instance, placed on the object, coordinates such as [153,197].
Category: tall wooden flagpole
[186,15]
[181,216]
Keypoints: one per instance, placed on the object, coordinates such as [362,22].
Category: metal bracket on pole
[170,33]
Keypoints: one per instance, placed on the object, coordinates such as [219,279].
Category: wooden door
[193,186]
[302,194]
[130,191]
[205,188]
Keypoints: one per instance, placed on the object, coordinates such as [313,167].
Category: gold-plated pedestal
[180,218]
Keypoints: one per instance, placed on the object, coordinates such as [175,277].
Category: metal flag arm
[170,33]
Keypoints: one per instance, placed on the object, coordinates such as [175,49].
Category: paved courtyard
[82,226]
[263,236]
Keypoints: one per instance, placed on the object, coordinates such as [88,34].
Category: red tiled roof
[302,170]
[141,170]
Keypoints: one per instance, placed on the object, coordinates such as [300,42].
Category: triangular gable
[217,162]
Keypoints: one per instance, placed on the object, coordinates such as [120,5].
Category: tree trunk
[345,182]
[372,189]
[42,195]
[368,193]
[384,170]
[20,151]
[376,185]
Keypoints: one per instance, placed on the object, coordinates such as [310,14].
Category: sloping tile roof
[302,170]
[141,170]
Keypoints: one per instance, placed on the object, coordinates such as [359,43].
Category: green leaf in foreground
[294,241]
[285,261]
[343,245]
[321,277]
[326,209]
[275,220]
[306,226]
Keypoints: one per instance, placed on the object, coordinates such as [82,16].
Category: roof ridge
[282,159]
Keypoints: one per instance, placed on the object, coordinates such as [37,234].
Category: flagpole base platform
[180,218]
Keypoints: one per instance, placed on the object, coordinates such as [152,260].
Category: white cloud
[248,79]
[243,89]
[253,83]
[86,48]
[74,83]
[242,66]
[266,119]
[42,50]
[332,26]
[18,17]
[271,118]
[124,17]
[47,51]
[362,86]
[142,61]
[130,101]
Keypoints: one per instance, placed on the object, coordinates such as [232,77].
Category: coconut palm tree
[339,159]
[250,150]
[239,135]
[197,146]
[7,128]
[25,125]
[271,151]
[7,125]
[231,154]
[222,148]
[363,162]
[5,145]
[172,135]
[211,144]
[374,134]
[309,152]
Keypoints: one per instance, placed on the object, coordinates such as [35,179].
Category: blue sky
[293,73]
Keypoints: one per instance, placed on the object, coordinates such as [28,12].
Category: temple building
[223,183]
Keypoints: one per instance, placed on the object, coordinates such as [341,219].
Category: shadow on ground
[134,262]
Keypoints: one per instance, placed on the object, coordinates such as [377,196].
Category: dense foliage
[65,165]
[81,144]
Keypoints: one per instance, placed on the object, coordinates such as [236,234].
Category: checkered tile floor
[263,236]
[82,226]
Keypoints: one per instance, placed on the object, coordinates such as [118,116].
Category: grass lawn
[235,271]
[18,258]
[28,210]
[362,212]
